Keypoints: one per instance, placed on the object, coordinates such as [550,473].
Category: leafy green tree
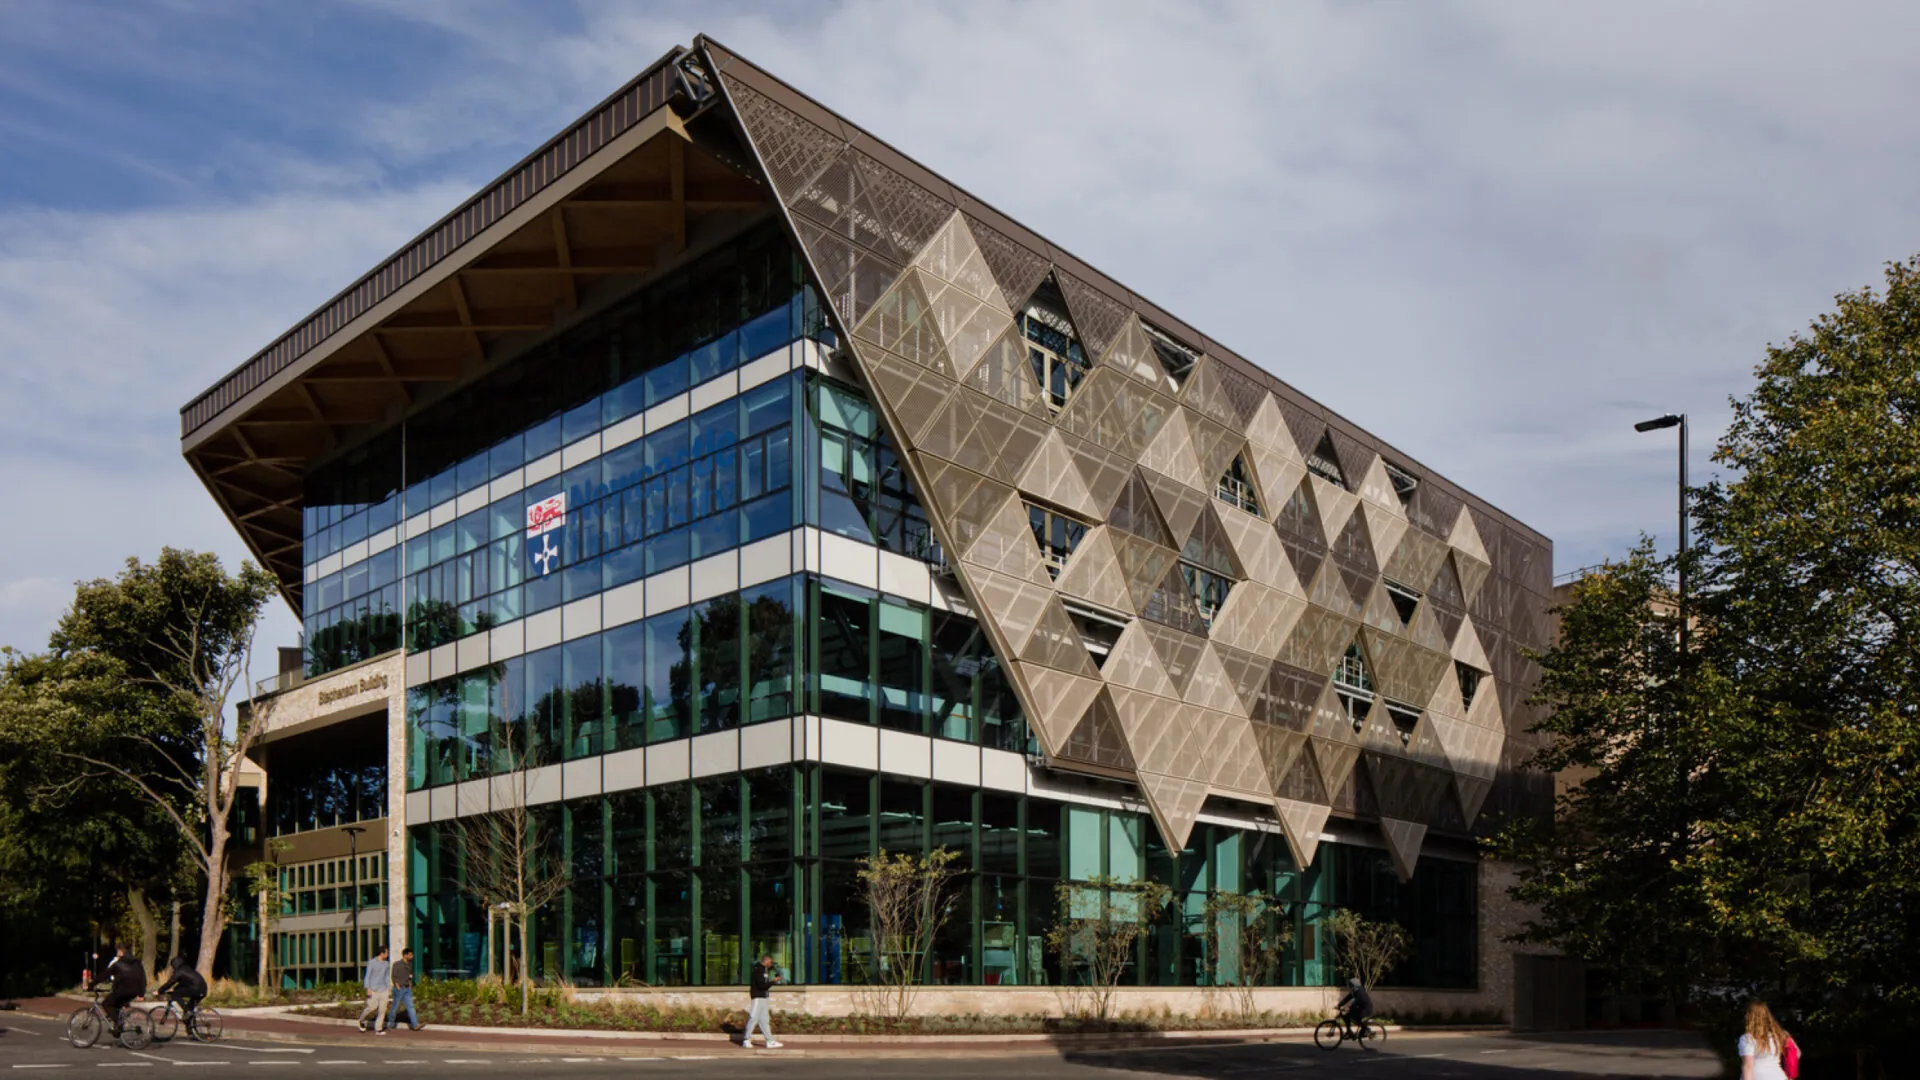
[152,660]
[1752,817]
[84,856]
[1366,949]
[1097,925]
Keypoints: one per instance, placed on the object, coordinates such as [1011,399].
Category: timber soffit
[647,91]
[724,60]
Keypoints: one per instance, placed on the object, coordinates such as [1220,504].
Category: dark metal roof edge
[488,191]
[786,94]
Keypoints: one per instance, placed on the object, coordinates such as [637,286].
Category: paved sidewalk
[278,1025]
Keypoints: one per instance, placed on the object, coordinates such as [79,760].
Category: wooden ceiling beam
[677,179]
[563,255]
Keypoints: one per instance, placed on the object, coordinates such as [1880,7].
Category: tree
[1246,935]
[908,898]
[1751,819]
[511,857]
[264,885]
[75,854]
[155,656]
[1097,923]
[1366,949]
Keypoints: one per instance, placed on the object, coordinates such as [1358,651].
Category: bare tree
[511,859]
[1365,949]
[1246,933]
[263,882]
[908,897]
[1097,924]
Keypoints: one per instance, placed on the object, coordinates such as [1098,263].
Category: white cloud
[108,324]
[1495,234]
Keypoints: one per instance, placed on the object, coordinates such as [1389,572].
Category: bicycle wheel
[1378,1032]
[204,1023]
[84,1027]
[136,1031]
[164,1021]
[1327,1034]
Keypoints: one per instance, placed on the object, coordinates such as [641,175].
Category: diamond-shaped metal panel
[1098,739]
[1241,703]
[1098,317]
[1093,574]
[1132,353]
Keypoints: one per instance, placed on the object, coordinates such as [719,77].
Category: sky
[1495,234]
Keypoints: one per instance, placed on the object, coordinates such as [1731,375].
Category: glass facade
[682,884]
[696,488]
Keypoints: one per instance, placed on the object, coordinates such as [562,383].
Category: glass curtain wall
[727,309]
[684,884]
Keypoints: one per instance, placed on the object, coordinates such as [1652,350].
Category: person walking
[759,983]
[1763,1044]
[379,983]
[403,991]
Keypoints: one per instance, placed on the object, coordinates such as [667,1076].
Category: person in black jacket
[1356,1007]
[129,984]
[762,978]
[184,985]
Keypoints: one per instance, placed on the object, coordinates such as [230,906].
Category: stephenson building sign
[354,689]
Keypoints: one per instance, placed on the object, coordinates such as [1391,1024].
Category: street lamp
[353,844]
[1660,423]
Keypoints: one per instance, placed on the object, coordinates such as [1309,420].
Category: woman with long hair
[1762,1045]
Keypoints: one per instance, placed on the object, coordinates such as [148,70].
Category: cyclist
[184,986]
[1356,1007]
[129,981]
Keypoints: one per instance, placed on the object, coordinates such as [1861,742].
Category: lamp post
[353,844]
[1660,423]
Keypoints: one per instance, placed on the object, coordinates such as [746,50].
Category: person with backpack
[1766,1051]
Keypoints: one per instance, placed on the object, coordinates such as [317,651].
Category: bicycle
[202,1021]
[85,1025]
[1329,1034]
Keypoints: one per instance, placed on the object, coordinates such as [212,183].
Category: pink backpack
[1790,1060]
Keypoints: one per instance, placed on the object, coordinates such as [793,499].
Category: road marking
[467,1061]
[404,1061]
[339,1061]
[201,1064]
[124,1065]
[39,1066]
[1509,1050]
[576,1061]
[274,1061]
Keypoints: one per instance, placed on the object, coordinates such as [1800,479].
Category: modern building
[738,498]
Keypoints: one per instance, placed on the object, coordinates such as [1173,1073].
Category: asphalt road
[31,1046]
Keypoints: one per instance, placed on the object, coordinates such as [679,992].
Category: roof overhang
[614,197]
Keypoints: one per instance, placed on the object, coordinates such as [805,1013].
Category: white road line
[202,1064]
[577,1061]
[124,1065]
[40,1066]
[149,1057]
[467,1061]
[339,1061]
[405,1061]
[274,1061]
